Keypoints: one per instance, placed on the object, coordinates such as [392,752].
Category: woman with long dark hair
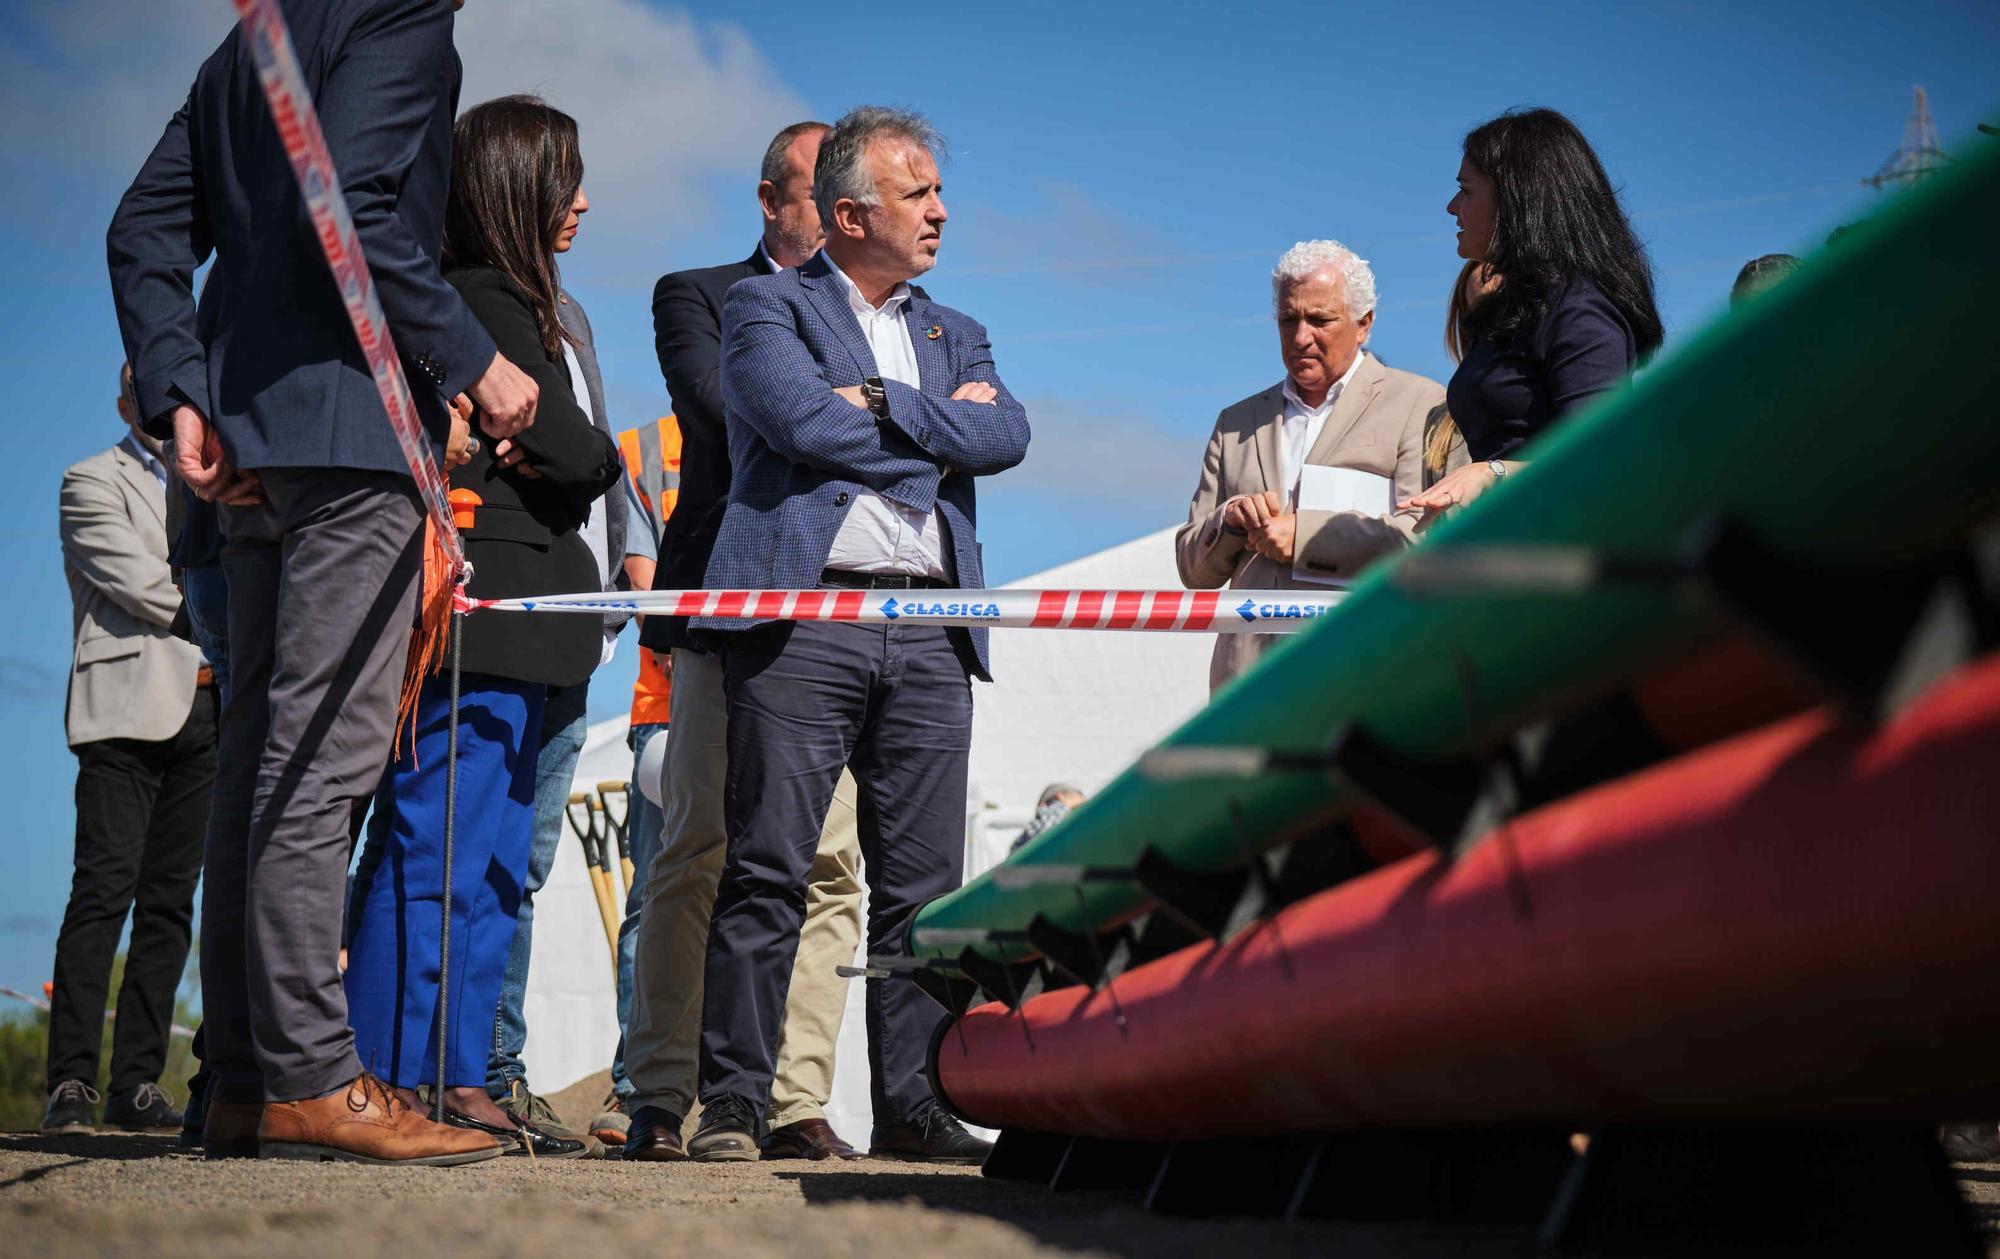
[523,505]
[1570,312]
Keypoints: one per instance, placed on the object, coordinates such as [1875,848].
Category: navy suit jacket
[269,356]
[687,333]
[799,452]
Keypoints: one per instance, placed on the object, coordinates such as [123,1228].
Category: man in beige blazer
[141,720]
[1259,520]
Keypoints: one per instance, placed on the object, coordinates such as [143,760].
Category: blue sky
[1122,177]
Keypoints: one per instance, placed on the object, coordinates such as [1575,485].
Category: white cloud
[664,102]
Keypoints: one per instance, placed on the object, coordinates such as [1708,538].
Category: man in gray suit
[142,724]
[1299,485]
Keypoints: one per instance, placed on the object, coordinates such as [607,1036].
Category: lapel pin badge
[934,332]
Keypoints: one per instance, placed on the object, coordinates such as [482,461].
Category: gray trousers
[322,591]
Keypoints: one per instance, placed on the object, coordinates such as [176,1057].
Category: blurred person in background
[1570,312]
[1759,274]
[1052,806]
[1265,513]
[141,719]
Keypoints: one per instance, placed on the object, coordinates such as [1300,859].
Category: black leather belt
[847,580]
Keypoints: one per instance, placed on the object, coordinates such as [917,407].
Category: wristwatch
[876,396]
[1497,467]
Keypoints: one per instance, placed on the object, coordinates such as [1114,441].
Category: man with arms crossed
[276,417]
[859,414]
[679,890]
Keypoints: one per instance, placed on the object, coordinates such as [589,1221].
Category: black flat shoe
[521,1134]
[145,1110]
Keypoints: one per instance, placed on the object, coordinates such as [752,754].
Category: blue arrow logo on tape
[1247,609]
[889,608]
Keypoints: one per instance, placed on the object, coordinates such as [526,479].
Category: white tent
[1069,706]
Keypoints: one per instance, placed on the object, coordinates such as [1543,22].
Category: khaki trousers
[661,1040]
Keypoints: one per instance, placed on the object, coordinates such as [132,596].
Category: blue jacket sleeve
[380,93]
[771,382]
[981,438]
[158,237]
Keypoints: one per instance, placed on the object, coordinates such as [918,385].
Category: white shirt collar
[892,306]
[1332,395]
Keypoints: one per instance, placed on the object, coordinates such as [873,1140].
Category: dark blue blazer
[687,333]
[798,452]
[269,356]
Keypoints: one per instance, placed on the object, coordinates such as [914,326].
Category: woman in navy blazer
[516,196]
[1571,312]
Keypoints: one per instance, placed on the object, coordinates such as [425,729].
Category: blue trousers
[893,703]
[643,831]
[392,955]
[564,725]
[207,592]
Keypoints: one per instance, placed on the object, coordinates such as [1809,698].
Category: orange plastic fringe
[432,635]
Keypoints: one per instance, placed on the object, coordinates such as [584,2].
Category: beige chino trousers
[662,1050]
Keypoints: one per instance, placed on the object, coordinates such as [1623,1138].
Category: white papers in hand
[1322,488]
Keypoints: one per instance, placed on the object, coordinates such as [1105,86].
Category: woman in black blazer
[516,193]
[1569,311]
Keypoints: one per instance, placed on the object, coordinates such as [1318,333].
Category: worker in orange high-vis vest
[652,487]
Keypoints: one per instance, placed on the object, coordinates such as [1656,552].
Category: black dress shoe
[728,1132]
[146,1109]
[812,1139]
[69,1110]
[934,1136]
[653,1136]
[523,1137]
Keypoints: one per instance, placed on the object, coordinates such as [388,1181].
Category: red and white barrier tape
[270,45]
[1186,611]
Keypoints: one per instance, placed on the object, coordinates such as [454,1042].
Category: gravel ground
[112,1195]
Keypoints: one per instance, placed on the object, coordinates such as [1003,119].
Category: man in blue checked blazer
[859,413]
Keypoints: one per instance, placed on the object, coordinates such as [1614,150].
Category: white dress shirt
[1302,425]
[879,536]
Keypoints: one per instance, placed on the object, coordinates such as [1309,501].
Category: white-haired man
[1299,485]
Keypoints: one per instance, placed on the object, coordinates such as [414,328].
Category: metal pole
[450,826]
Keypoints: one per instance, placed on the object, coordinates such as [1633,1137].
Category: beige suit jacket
[1377,425]
[129,677]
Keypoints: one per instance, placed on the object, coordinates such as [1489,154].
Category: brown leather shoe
[230,1130]
[367,1123]
[808,1138]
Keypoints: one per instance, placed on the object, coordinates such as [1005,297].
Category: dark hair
[1759,274]
[1557,217]
[515,169]
[777,154]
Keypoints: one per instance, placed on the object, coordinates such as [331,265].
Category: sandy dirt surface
[114,1195]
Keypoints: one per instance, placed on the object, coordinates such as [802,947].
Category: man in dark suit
[859,414]
[276,417]
[669,953]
